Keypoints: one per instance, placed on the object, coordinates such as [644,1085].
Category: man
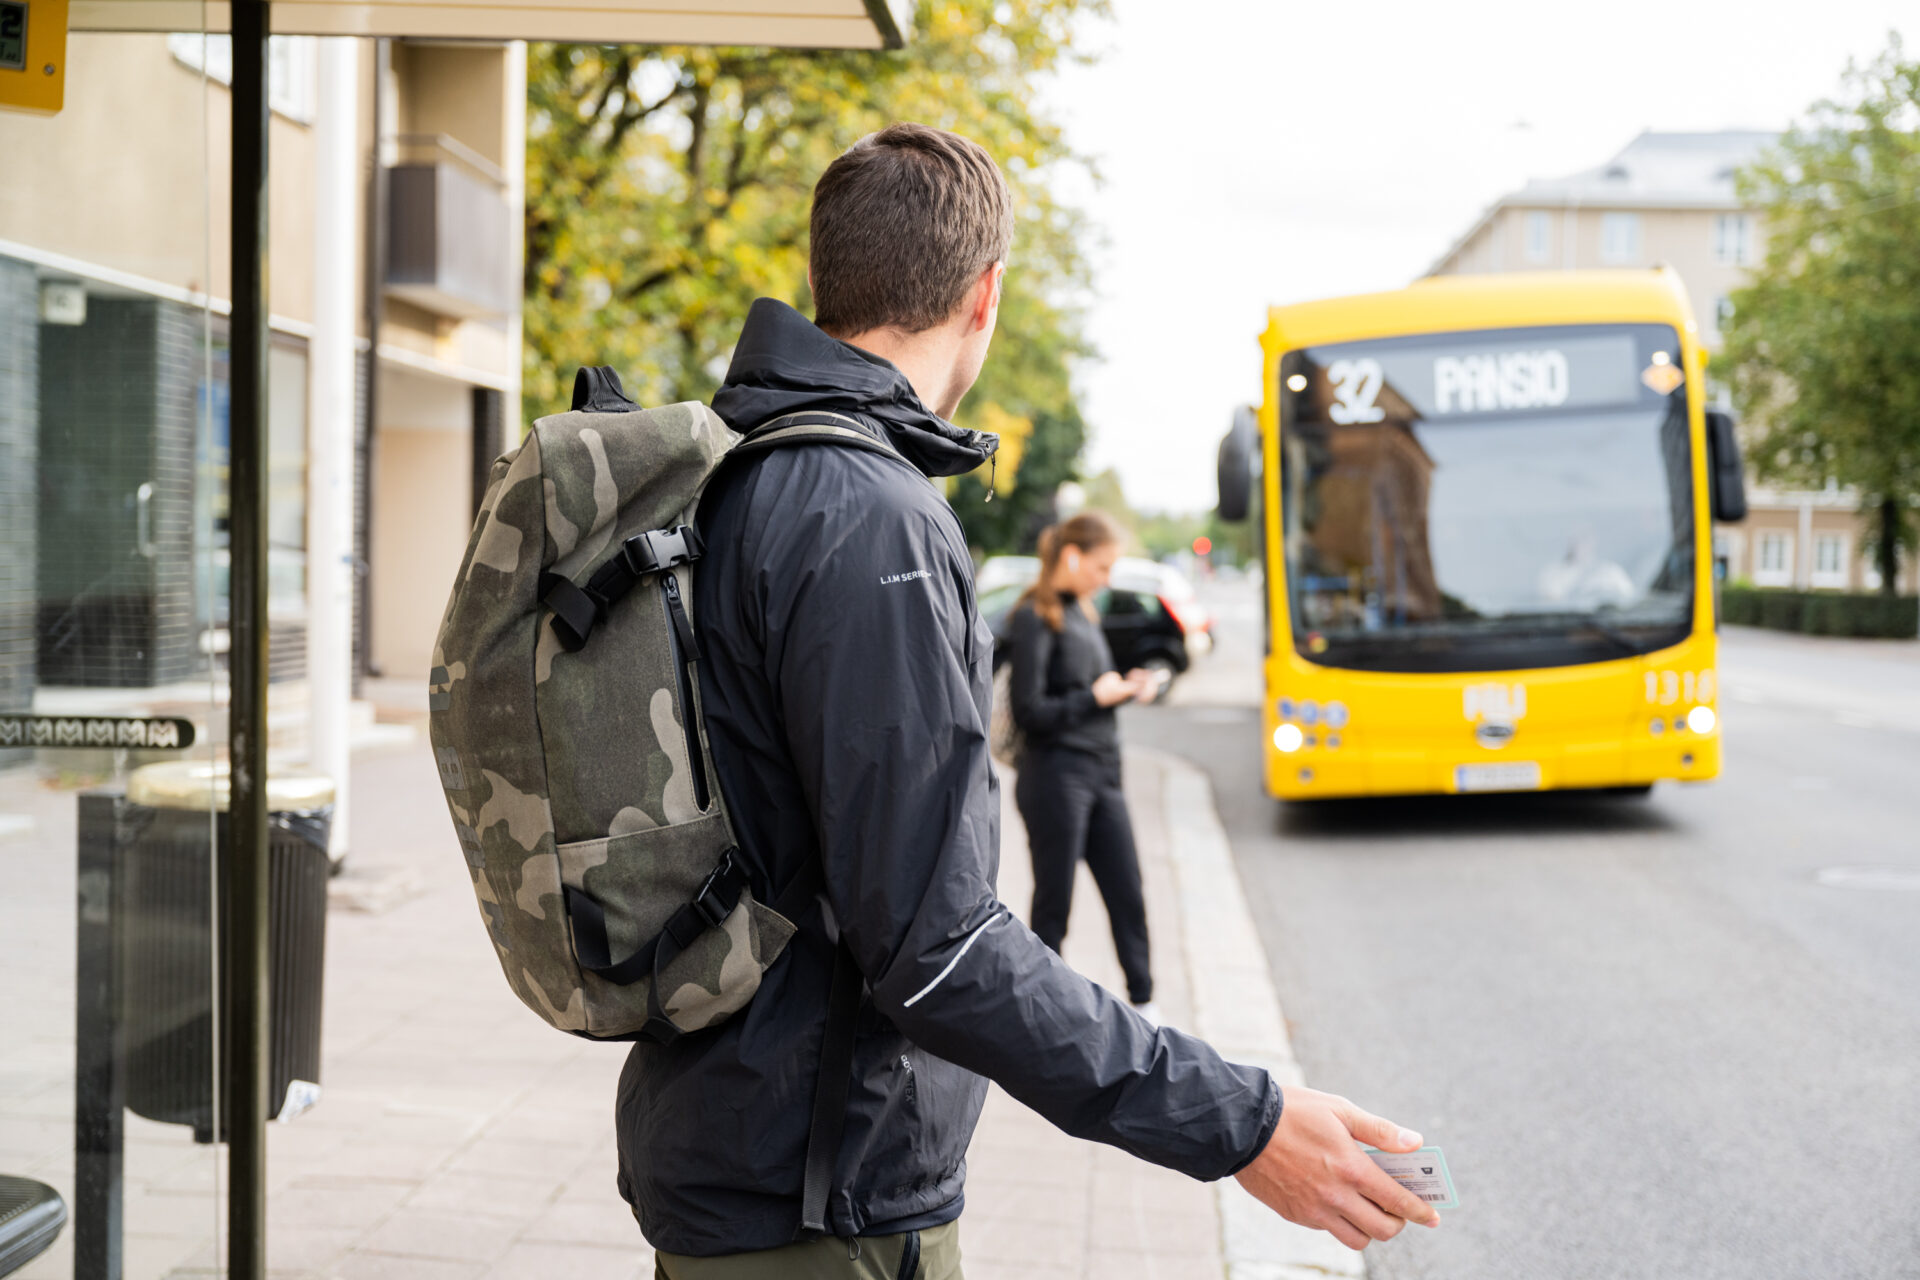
[845,683]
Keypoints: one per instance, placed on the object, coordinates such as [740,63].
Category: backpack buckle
[720,892]
[659,549]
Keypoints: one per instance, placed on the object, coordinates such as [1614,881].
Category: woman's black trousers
[1073,806]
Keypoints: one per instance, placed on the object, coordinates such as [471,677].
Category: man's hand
[1312,1173]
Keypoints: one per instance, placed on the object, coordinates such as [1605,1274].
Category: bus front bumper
[1355,769]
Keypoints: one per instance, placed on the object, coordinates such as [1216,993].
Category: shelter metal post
[243,865]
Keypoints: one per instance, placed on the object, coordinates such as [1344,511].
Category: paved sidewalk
[458,1138]
[1041,1205]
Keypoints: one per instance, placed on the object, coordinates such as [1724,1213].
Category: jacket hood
[784,363]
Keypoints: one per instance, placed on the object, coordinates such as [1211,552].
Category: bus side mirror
[1235,465]
[1726,478]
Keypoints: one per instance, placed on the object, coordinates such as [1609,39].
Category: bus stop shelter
[844,24]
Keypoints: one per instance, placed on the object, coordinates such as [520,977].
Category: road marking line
[1892,878]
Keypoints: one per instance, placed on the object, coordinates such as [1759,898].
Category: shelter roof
[819,24]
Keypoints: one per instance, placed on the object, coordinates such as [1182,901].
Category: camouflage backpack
[566,723]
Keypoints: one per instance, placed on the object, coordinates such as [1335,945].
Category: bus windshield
[1487,500]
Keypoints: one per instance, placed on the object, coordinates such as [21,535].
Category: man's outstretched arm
[875,683]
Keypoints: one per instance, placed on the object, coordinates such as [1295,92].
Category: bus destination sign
[1449,378]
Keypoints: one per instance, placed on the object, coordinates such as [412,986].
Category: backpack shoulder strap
[841,1028]
[812,426]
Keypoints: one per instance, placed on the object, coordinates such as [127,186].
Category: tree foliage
[669,187]
[1824,343]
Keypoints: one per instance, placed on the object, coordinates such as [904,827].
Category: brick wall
[179,366]
[117,411]
[19,479]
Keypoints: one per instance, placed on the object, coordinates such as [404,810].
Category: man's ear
[986,297]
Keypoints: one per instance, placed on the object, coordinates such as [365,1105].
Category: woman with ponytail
[1063,693]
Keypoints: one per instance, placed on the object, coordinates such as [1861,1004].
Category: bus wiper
[1588,622]
[1625,642]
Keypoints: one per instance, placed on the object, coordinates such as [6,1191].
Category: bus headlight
[1702,719]
[1287,738]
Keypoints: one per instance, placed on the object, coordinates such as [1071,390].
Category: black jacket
[845,686]
[1053,675]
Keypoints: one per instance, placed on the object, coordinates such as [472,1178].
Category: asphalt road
[1651,1038]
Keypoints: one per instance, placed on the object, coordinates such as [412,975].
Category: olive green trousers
[933,1254]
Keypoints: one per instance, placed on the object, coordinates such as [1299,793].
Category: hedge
[1821,613]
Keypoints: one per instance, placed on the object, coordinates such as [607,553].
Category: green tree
[1824,343]
[669,187]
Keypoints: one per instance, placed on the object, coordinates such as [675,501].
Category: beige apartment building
[439,189]
[1669,198]
[394,197]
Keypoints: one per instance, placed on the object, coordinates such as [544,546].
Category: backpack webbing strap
[709,907]
[830,1092]
[577,610]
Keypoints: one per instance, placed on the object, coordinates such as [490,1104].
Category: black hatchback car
[1148,612]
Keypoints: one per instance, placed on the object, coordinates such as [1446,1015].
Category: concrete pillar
[1803,550]
[514,155]
[330,436]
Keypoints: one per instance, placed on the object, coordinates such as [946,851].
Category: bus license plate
[1518,775]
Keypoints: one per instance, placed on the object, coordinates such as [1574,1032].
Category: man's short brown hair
[903,224]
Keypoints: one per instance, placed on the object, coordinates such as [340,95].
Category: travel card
[1423,1172]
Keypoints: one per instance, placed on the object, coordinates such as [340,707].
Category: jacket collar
[784,363]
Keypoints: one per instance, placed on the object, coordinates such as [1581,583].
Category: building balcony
[450,233]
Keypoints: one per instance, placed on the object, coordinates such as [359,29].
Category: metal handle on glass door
[143,520]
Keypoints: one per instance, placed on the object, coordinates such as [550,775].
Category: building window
[290,68]
[1830,560]
[1620,238]
[1870,579]
[1733,239]
[1773,565]
[1539,235]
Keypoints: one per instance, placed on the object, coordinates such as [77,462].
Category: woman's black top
[1053,675]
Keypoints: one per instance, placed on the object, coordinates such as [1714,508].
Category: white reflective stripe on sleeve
[940,977]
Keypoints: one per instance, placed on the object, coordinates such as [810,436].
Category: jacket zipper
[680,639]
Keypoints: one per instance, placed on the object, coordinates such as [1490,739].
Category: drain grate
[1893,879]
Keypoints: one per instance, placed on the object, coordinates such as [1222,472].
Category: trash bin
[164,833]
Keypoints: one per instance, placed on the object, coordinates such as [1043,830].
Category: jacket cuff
[1269,1121]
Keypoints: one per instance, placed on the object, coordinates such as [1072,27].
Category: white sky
[1257,152]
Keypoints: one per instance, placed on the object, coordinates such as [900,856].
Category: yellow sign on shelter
[33,55]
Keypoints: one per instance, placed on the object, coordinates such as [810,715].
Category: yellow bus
[1486,507]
